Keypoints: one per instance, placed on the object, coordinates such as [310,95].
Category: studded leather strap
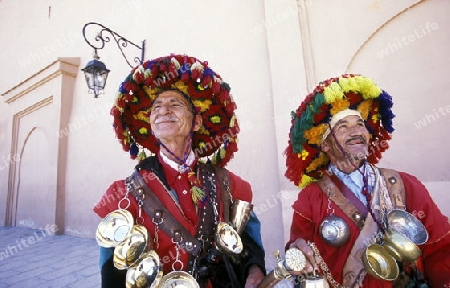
[155,209]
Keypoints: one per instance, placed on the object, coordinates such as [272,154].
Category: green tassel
[197,194]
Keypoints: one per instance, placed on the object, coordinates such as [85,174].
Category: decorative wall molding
[378,30]
[308,55]
[52,87]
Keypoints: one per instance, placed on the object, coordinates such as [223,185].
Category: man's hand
[311,262]
[255,276]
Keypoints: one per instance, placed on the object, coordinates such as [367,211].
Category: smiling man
[177,108]
[337,136]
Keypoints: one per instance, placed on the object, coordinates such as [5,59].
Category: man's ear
[197,122]
[325,146]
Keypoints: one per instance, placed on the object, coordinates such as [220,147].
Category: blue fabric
[105,254]
[354,181]
[253,228]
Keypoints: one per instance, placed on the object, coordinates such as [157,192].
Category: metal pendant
[227,239]
[334,231]
[315,281]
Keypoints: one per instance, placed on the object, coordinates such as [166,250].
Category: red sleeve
[436,252]
[240,188]
[302,224]
[111,198]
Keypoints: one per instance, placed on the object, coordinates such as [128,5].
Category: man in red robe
[180,110]
[344,207]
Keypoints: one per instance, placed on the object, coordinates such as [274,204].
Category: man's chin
[355,157]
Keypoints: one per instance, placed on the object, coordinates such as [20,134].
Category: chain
[140,219]
[330,196]
[176,239]
[157,220]
[226,182]
[324,267]
[214,198]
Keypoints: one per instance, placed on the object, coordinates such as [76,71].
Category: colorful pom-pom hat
[208,93]
[305,163]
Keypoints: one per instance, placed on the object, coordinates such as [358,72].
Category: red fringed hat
[304,160]
[205,89]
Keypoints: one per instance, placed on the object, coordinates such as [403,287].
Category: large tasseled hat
[305,163]
[206,91]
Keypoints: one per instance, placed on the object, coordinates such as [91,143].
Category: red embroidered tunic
[185,212]
[311,208]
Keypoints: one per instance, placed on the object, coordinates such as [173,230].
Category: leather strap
[156,210]
[395,187]
[350,195]
[330,189]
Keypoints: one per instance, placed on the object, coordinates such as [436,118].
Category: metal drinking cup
[240,213]
[400,247]
[114,228]
[379,263]
[129,251]
[405,223]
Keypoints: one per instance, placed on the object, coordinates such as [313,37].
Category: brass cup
[379,263]
[400,247]
[114,228]
[405,223]
[146,273]
[130,250]
[178,279]
[240,213]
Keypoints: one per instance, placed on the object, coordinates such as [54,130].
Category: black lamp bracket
[103,37]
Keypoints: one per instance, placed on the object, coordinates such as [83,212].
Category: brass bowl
[379,263]
[146,273]
[227,239]
[178,279]
[334,231]
[130,250]
[114,228]
[400,247]
[405,223]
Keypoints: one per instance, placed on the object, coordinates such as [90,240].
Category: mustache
[166,118]
[357,137]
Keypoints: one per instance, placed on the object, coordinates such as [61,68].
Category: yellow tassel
[141,155]
[306,180]
[204,105]
[348,84]
[332,93]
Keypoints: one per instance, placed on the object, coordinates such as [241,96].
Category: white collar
[179,167]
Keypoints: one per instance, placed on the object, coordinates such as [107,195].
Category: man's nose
[356,130]
[164,109]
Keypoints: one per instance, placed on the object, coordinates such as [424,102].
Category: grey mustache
[356,138]
[165,119]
